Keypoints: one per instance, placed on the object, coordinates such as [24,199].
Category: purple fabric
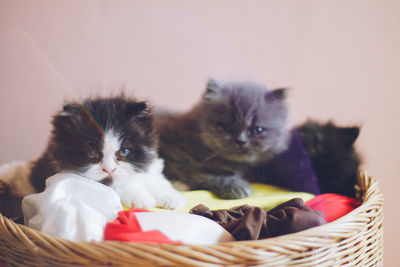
[292,169]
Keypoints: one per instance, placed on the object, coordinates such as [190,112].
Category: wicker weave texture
[355,239]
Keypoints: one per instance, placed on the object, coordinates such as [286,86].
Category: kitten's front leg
[134,196]
[166,196]
[228,187]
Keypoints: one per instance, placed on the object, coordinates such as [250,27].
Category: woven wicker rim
[354,239]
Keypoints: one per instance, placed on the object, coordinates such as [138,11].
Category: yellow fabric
[265,196]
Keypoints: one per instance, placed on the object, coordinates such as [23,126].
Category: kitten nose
[240,142]
[241,139]
[109,171]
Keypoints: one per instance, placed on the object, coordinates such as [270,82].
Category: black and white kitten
[109,140]
[333,155]
[234,126]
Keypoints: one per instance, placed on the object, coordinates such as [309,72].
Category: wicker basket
[355,239]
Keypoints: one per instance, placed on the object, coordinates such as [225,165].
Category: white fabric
[72,207]
[76,208]
[187,228]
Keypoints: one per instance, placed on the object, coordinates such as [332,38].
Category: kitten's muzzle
[240,143]
[242,139]
[109,171]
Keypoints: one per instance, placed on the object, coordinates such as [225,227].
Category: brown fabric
[251,223]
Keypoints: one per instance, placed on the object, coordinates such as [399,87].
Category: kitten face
[333,155]
[328,144]
[243,121]
[103,138]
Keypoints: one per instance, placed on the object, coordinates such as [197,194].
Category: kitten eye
[223,125]
[92,154]
[123,153]
[257,130]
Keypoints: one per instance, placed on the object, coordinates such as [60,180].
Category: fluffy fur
[234,126]
[334,158]
[109,140]
[321,158]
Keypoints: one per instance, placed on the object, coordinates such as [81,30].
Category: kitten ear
[71,109]
[71,115]
[134,109]
[213,90]
[277,94]
[350,135]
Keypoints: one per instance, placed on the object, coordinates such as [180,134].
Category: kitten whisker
[213,155]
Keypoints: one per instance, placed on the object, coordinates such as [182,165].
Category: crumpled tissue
[72,207]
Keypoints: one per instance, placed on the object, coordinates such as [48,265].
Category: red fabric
[333,206]
[127,228]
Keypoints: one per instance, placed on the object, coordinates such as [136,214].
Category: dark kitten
[109,140]
[320,159]
[333,155]
[234,126]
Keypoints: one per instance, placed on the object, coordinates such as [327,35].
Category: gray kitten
[234,126]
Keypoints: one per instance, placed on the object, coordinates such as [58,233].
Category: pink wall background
[341,59]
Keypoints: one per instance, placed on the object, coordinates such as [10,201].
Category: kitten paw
[234,190]
[170,200]
[136,197]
